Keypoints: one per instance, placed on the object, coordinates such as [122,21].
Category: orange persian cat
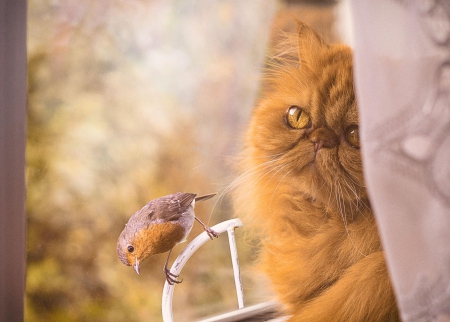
[304,191]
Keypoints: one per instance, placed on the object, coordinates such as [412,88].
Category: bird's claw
[211,233]
[170,277]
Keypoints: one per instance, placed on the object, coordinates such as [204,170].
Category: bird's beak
[136,265]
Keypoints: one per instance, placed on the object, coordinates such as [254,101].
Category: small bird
[158,227]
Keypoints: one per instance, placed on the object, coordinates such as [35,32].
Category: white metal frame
[228,226]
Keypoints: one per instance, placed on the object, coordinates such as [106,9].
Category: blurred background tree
[128,101]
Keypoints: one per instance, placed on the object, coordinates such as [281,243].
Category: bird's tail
[205,197]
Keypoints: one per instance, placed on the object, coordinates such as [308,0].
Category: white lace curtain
[402,72]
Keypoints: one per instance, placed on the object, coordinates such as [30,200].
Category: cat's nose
[323,138]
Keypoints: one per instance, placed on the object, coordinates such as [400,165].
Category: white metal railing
[266,311]
[190,249]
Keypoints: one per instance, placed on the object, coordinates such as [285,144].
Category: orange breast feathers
[159,238]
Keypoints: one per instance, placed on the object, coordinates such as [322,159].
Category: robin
[158,227]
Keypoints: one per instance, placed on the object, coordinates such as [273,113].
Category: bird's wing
[172,207]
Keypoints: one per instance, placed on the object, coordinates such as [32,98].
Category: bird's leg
[211,233]
[171,278]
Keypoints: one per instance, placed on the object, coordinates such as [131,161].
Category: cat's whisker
[323,184]
[276,188]
[236,158]
[341,202]
[250,172]
[358,202]
[243,178]
[261,177]
[331,193]
[243,157]
[279,168]
[350,199]
[351,187]
[355,182]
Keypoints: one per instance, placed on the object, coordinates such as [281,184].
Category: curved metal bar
[190,249]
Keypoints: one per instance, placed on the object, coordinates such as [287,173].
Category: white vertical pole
[236,270]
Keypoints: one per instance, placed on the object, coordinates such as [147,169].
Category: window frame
[13,100]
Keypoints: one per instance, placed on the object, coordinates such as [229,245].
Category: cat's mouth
[307,157]
[318,149]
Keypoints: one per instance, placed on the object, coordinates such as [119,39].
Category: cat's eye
[352,135]
[297,118]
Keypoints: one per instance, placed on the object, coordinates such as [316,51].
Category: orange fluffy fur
[302,191]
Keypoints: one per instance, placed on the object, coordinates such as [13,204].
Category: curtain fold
[402,77]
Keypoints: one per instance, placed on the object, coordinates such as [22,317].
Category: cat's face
[304,133]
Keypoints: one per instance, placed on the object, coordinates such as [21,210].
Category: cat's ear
[310,44]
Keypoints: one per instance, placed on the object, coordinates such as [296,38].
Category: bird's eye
[352,136]
[130,248]
[296,118]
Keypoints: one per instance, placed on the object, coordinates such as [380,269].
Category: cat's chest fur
[319,245]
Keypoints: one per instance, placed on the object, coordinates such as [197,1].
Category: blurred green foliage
[128,101]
